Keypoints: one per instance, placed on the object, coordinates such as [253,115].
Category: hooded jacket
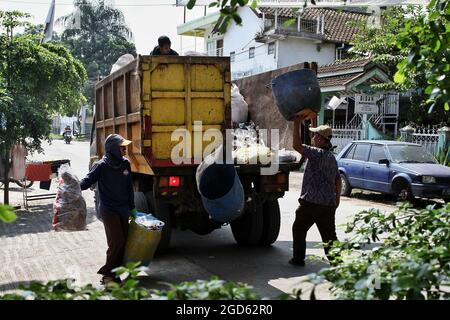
[157,52]
[113,175]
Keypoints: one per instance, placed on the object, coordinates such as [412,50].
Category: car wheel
[346,189]
[405,194]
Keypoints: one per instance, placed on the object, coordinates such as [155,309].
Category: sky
[148,19]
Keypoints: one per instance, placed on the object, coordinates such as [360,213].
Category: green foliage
[443,156]
[96,34]
[128,289]
[213,289]
[36,81]
[428,45]
[410,258]
[7,214]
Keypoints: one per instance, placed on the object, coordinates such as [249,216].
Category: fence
[342,137]
[427,137]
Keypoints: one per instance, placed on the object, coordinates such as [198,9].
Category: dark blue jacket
[113,175]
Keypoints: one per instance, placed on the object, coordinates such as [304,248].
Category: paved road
[32,251]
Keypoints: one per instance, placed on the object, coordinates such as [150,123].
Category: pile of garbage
[249,147]
[69,208]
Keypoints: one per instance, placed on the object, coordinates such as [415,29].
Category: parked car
[399,168]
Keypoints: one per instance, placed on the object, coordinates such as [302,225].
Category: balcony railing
[296,25]
[216,52]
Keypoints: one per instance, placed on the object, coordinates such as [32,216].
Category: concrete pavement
[32,251]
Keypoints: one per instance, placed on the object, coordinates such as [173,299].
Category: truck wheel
[271,222]
[161,211]
[247,229]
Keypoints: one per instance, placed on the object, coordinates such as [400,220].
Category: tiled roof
[344,72]
[343,65]
[338,23]
[338,80]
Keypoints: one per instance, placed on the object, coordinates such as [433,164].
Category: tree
[36,80]
[427,43]
[96,34]
[383,48]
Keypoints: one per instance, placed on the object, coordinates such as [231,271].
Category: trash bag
[249,147]
[194,53]
[144,235]
[220,189]
[121,62]
[239,108]
[69,208]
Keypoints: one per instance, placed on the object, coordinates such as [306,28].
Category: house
[272,38]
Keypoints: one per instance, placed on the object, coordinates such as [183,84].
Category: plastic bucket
[296,90]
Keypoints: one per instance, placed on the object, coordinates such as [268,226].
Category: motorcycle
[68,137]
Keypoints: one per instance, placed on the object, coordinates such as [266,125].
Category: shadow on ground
[37,219]
[393,200]
[193,257]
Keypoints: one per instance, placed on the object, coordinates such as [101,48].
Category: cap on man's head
[324,130]
[125,142]
[163,40]
[115,139]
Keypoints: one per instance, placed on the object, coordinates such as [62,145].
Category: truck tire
[163,212]
[248,229]
[271,222]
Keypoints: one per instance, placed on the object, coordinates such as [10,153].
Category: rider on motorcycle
[67,134]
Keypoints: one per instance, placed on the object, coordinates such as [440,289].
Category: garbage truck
[147,100]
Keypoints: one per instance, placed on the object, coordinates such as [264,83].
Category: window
[361,152]
[350,151]
[219,46]
[376,153]
[232,55]
[271,48]
[251,53]
[210,48]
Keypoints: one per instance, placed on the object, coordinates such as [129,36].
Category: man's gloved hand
[133,213]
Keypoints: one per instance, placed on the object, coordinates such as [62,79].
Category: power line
[114,5]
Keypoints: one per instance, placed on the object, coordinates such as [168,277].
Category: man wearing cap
[321,190]
[116,200]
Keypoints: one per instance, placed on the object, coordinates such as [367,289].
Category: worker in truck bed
[163,47]
[321,189]
[113,176]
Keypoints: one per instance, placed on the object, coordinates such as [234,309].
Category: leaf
[289,22]
[191,4]
[7,214]
[399,77]
[254,4]
[213,4]
[436,45]
[446,106]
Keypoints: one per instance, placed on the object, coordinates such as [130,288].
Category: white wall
[295,50]
[240,38]
[288,52]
